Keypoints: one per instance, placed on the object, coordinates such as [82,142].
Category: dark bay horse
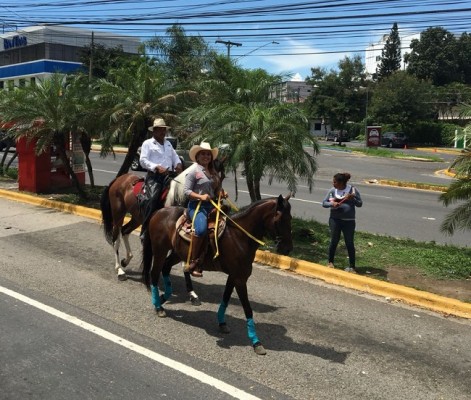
[237,246]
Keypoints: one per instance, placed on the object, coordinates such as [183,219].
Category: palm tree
[459,191]
[128,101]
[265,137]
[46,112]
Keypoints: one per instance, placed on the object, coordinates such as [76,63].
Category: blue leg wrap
[251,331]
[155,296]
[168,287]
[222,313]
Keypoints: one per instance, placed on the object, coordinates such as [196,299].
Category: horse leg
[168,290]
[223,328]
[117,266]
[154,290]
[194,299]
[252,334]
[154,287]
[126,230]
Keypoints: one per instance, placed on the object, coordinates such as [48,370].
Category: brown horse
[237,246]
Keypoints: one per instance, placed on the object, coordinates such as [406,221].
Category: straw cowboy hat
[158,122]
[203,146]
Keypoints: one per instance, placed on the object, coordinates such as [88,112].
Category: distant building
[38,51]
[374,51]
[291,91]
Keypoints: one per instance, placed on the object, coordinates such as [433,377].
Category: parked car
[338,136]
[6,141]
[394,139]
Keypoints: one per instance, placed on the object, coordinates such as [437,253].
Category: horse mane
[248,208]
[176,196]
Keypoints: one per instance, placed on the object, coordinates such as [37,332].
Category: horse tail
[147,256]
[106,215]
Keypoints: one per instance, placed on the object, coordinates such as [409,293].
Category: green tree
[264,136]
[129,100]
[402,99]
[184,57]
[459,192]
[46,112]
[338,96]
[102,59]
[464,55]
[391,55]
[434,57]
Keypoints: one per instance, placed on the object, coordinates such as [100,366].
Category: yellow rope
[236,224]
[218,209]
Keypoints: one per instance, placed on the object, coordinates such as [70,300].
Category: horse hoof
[195,301]
[259,349]
[122,277]
[161,312]
[223,328]
[124,264]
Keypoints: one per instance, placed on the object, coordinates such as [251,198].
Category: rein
[236,224]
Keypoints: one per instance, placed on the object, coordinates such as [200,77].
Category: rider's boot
[197,255]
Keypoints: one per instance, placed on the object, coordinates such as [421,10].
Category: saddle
[184,226]
[139,190]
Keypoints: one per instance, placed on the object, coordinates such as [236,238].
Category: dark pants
[338,226]
[153,184]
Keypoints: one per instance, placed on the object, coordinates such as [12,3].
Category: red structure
[43,172]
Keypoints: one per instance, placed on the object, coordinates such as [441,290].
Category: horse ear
[280,205]
[289,196]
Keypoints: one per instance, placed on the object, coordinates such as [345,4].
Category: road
[323,342]
[392,211]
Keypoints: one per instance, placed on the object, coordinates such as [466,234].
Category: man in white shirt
[159,158]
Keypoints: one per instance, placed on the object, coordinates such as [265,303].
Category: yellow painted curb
[57,205]
[369,285]
[333,276]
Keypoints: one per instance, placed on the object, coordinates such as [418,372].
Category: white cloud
[302,58]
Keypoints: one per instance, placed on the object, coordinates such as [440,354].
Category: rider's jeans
[201,219]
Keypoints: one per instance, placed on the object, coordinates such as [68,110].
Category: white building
[373,51]
[38,51]
[291,91]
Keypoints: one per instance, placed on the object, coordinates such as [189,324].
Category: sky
[283,37]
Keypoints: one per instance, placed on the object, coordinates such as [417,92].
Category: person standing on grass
[342,199]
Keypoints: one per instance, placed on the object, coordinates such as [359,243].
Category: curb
[391,291]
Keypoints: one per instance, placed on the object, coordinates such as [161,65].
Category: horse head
[282,225]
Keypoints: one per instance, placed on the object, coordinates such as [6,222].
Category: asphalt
[390,291]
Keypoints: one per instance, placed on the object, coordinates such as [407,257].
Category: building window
[317,126]
[11,84]
[2,85]
[378,58]
[32,81]
[22,82]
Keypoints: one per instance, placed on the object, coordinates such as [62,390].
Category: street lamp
[258,48]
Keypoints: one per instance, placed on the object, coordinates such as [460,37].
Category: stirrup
[196,274]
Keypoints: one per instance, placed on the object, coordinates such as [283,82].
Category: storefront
[38,51]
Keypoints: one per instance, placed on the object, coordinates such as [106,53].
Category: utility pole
[229,44]
[90,66]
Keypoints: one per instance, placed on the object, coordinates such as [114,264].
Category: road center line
[168,362]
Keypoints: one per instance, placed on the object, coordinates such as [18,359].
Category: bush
[425,133]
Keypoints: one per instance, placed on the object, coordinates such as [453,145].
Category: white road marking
[168,362]
[429,218]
